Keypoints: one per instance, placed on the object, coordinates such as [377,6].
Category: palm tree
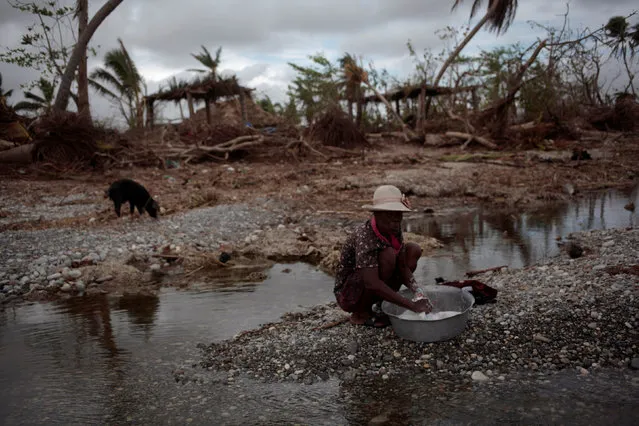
[80,49]
[82,14]
[353,76]
[623,40]
[126,84]
[499,16]
[208,61]
[38,102]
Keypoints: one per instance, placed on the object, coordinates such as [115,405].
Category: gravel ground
[51,259]
[560,314]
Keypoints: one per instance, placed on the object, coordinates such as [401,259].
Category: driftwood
[468,138]
[4,145]
[21,154]
[481,271]
[223,148]
[302,143]
[385,135]
[596,135]
[332,324]
[523,126]
[343,151]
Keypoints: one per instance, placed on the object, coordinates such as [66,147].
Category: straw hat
[390,199]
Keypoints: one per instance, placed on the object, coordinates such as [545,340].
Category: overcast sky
[259,37]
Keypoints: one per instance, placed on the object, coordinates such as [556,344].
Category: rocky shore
[560,314]
[64,260]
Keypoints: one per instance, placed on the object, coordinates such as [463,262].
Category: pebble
[541,338]
[66,287]
[634,363]
[71,274]
[381,419]
[478,376]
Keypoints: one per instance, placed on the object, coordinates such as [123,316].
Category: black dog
[125,190]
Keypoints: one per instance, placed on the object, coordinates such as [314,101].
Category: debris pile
[66,140]
[334,128]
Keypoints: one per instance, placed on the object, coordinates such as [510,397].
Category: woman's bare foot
[369,320]
[358,318]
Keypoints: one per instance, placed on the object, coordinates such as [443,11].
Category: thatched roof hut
[420,92]
[414,91]
[208,89]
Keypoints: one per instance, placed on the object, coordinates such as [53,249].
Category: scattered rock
[71,274]
[478,376]
[381,419]
[541,338]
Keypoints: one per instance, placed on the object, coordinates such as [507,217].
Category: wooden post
[243,107]
[397,107]
[150,119]
[475,99]
[207,105]
[421,107]
[189,99]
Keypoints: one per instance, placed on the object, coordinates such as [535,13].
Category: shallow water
[482,238]
[100,360]
[66,360]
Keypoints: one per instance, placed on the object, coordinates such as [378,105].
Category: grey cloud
[248,73]
[163,33]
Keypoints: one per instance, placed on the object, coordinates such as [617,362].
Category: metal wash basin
[444,298]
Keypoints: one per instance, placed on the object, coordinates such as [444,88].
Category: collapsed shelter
[209,90]
[420,92]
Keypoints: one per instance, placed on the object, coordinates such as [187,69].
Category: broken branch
[481,271]
[465,136]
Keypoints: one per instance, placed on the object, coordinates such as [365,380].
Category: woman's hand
[422,305]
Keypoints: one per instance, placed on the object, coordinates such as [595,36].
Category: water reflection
[141,309]
[485,238]
[86,359]
[565,398]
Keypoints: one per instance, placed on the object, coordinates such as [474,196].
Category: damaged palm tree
[120,81]
[499,16]
[357,75]
[353,77]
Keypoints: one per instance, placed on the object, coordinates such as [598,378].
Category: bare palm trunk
[83,79]
[80,49]
[358,113]
[457,50]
